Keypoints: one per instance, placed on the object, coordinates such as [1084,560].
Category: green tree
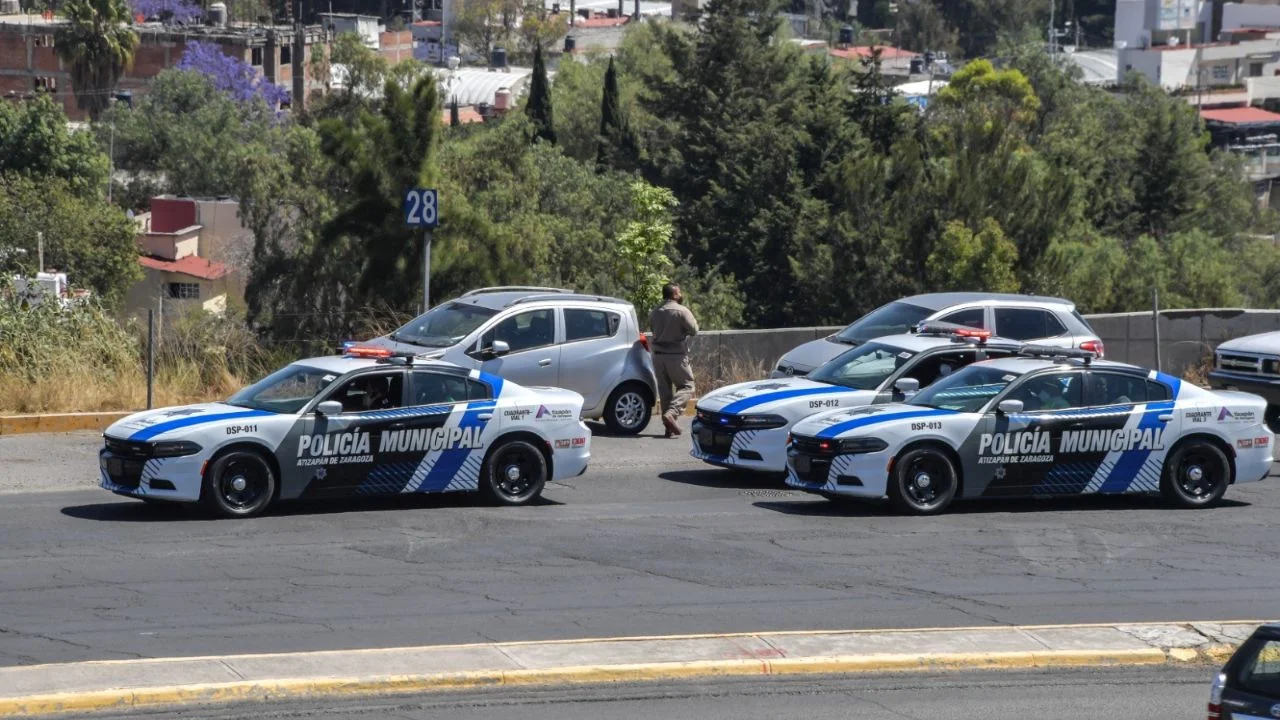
[540,30]
[35,142]
[539,107]
[982,260]
[97,45]
[644,245]
[617,143]
[485,24]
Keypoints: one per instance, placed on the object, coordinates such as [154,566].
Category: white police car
[368,422]
[1048,422]
[745,426]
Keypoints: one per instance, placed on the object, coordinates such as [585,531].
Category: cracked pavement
[648,542]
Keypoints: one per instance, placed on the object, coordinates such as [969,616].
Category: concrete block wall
[1187,338]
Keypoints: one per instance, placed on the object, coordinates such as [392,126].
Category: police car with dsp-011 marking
[745,426]
[365,423]
[1047,422]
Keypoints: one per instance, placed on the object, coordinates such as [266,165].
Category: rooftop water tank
[218,14]
[502,100]
[499,59]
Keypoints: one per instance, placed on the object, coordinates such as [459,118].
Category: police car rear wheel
[515,474]
[628,410]
[239,484]
[924,482]
[1196,475]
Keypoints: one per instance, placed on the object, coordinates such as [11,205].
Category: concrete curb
[58,422]
[127,684]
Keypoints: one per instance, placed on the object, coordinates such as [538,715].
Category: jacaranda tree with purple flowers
[233,76]
[179,12]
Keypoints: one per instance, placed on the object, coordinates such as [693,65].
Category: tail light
[1215,697]
[1094,346]
[644,342]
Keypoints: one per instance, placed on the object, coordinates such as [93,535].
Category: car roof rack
[572,296]
[1058,353]
[516,288]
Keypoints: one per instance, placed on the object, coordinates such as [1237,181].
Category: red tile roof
[600,22]
[192,265]
[465,115]
[1240,115]
[863,52]
[428,23]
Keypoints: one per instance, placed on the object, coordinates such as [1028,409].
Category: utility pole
[40,249]
[1053,55]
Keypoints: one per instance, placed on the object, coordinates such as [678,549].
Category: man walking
[673,326]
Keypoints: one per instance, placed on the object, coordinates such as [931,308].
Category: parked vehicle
[1252,364]
[544,337]
[1248,687]
[1026,318]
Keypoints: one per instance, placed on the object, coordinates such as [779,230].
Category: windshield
[864,367]
[892,319]
[966,390]
[285,390]
[443,325]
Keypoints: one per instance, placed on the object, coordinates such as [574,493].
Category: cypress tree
[454,120]
[616,143]
[539,107]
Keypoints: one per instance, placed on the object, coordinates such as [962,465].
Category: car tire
[924,482]
[1195,475]
[514,474]
[239,484]
[628,410]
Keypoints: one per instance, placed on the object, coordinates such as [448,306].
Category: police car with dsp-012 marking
[1047,422]
[745,426]
[365,423]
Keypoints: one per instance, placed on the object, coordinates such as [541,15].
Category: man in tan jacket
[673,325]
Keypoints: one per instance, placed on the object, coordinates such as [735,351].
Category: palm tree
[97,45]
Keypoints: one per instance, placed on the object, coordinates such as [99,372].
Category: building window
[256,56]
[1221,73]
[286,55]
[44,41]
[184,291]
[44,84]
[1255,69]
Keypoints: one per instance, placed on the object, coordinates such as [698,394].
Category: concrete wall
[1187,338]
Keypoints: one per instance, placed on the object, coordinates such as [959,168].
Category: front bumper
[176,479]
[758,450]
[863,475]
[1264,386]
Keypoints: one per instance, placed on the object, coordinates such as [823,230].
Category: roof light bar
[953,329]
[1048,351]
[367,351]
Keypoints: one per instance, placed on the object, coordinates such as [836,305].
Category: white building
[1242,70]
[368,27]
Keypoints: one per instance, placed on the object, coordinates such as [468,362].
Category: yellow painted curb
[58,422]
[312,688]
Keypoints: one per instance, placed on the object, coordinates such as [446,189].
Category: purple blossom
[177,12]
[235,77]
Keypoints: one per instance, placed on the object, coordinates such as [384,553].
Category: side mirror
[1009,407]
[329,407]
[907,386]
[498,349]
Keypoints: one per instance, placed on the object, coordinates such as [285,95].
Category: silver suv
[1046,320]
[546,337]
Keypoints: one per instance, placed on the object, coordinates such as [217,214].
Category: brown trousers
[673,370]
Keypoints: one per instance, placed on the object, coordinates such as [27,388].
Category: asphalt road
[648,542]
[1059,695]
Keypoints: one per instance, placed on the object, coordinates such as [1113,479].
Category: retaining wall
[1187,338]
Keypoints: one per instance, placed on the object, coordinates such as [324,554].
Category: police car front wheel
[1196,475]
[924,481]
[239,484]
[515,473]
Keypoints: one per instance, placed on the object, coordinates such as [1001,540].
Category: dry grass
[1199,373]
[714,372]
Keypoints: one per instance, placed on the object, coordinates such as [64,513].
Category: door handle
[1079,424]
[485,416]
[544,362]
[396,425]
[1165,418]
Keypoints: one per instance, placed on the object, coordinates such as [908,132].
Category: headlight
[1271,367]
[762,422]
[862,445]
[174,449]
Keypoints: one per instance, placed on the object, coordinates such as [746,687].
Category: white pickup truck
[1252,364]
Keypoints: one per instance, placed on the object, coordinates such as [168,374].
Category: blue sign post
[422,209]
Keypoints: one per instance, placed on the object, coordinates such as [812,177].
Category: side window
[1058,391]
[1117,389]
[973,317]
[1027,324]
[432,388]
[1157,392]
[582,324]
[536,328]
[373,391]
[937,366]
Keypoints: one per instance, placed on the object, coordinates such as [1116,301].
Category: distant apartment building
[29,61]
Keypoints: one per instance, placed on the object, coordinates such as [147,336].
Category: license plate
[802,464]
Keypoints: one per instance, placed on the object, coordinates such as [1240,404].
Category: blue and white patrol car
[1047,422]
[364,423]
[745,426]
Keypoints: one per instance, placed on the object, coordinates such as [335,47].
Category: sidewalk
[123,684]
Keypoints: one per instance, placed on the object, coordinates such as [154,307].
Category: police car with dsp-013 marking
[1047,422]
[365,423]
[745,426]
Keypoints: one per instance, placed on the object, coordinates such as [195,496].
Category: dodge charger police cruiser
[368,422]
[745,426]
[1047,422]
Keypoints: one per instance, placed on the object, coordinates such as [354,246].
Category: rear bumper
[1268,389]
